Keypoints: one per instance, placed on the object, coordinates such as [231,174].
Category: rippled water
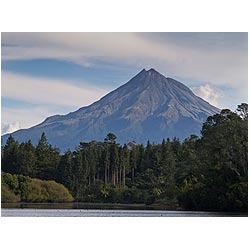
[83,209]
[106,213]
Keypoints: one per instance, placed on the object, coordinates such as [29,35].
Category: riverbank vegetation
[19,188]
[201,173]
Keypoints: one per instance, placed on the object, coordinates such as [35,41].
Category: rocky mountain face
[148,107]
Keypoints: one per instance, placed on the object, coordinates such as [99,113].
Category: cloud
[43,97]
[210,94]
[218,58]
[26,117]
[9,128]
[48,91]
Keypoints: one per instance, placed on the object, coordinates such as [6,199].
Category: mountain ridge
[149,106]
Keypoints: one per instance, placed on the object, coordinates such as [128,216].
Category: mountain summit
[148,107]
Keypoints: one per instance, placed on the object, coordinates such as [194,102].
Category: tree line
[209,172]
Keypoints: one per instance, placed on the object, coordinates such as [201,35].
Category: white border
[124,233]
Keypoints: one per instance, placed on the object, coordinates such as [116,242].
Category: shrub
[7,195]
[17,188]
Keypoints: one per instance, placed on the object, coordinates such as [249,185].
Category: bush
[11,181]
[17,188]
[56,192]
[7,195]
[237,197]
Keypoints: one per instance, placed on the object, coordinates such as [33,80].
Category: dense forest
[209,172]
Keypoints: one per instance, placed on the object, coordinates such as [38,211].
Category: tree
[11,181]
[170,170]
[80,174]
[65,171]
[205,173]
[106,162]
[110,138]
[27,159]
[47,159]
[114,163]
[188,168]
[242,111]
[10,156]
[133,162]
[222,171]
[124,163]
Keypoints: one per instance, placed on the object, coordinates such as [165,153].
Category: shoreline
[89,205]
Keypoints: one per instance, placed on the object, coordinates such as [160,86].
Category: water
[105,213]
[100,210]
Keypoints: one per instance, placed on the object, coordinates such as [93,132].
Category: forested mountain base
[207,173]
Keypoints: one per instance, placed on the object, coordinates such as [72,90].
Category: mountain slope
[149,106]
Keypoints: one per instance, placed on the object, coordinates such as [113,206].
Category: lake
[100,210]
[108,213]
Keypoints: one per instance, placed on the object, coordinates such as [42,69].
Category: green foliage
[11,181]
[206,173]
[237,196]
[56,192]
[10,156]
[47,159]
[24,186]
[219,179]
[110,138]
[27,159]
[17,188]
[7,195]
[242,111]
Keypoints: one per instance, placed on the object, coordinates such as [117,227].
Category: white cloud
[45,97]
[48,91]
[191,62]
[9,128]
[212,60]
[210,94]
[26,117]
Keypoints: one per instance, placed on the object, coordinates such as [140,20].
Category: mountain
[149,106]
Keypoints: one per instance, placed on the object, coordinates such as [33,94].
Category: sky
[44,74]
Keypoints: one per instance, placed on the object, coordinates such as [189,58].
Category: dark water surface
[100,210]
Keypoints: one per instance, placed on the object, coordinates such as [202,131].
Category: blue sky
[45,74]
